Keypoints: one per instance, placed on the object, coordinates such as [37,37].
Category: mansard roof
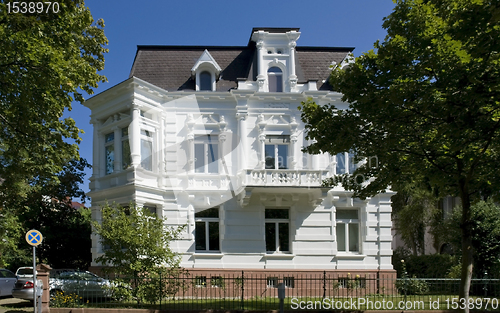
[169,67]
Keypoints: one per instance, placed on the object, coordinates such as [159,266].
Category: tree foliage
[137,246]
[47,60]
[426,103]
[415,212]
[485,239]
[47,207]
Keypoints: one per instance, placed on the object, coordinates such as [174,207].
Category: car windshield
[25,271]
[78,276]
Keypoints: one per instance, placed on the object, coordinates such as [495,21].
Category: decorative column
[190,138]
[262,141]
[134,135]
[293,143]
[261,124]
[314,159]
[261,77]
[118,149]
[292,77]
[243,140]
[161,152]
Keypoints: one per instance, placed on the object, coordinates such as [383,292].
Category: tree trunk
[467,250]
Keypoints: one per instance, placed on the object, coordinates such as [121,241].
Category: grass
[368,302]
[11,305]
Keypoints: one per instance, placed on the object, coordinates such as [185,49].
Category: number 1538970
[32,7]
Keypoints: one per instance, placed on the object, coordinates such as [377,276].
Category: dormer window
[205,81]
[205,72]
[275,79]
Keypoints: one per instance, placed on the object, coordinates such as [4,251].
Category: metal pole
[34,279]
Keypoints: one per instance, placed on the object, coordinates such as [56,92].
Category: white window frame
[198,78]
[147,138]
[275,147]
[347,222]
[207,141]
[345,163]
[276,222]
[275,75]
[207,221]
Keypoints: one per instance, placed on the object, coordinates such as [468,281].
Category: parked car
[24,272]
[23,289]
[7,282]
[55,272]
[83,283]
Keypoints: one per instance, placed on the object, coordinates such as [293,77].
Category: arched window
[275,77]
[205,81]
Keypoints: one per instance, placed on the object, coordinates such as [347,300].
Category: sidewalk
[11,305]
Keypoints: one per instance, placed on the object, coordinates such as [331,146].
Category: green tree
[10,232]
[137,246]
[415,211]
[47,207]
[426,104]
[47,60]
[485,239]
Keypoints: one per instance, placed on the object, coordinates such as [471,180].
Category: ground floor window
[347,230]
[277,230]
[207,230]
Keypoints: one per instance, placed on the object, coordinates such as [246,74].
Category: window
[289,282]
[272,282]
[146,150]
[207,230]
[217,282]
[349,282]
[151,209]
[206,154]
[275,78]
[277,230]
[126,157]
[206,81]
[109,147]
[345,163]
[347,231]
[276,152]
[200,281]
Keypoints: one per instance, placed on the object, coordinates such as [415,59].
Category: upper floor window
[345,163]
[275,79]
[206,154]
[146,150]
[126,157]
[276,152]
[206,81]
[205,72]
[109,148]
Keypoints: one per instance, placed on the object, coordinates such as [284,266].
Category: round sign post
[34,238]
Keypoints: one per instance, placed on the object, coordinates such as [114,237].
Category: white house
[211,137]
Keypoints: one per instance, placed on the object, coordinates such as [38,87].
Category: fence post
[324,284]
[378,282]
[161,289]
[242,289]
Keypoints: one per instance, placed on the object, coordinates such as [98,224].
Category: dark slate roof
[169,67]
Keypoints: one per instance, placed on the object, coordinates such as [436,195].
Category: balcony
[285,177]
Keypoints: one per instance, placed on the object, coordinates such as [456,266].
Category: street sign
[34,237]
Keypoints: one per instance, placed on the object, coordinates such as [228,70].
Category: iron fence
[259,291]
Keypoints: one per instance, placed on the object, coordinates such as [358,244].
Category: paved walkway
[12,305]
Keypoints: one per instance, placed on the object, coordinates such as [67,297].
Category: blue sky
[328,23]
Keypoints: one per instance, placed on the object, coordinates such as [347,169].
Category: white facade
[229,165]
